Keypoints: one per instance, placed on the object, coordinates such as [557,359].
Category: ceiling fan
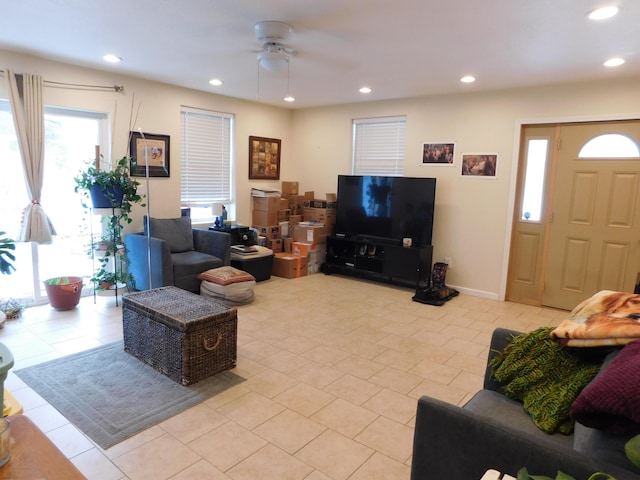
[274,56]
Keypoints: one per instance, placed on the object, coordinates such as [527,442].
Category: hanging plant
[121,193]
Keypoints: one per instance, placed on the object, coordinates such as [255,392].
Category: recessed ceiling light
[614,62]
[289,98]
[603,13]
[468,79]
[215,82]
[365,90]
[112,58]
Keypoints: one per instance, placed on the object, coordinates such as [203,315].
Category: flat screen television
[386,208]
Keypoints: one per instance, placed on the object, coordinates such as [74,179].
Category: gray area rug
[110,395]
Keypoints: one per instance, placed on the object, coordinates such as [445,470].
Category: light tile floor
[333,367]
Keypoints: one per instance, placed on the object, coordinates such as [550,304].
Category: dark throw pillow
[611,402]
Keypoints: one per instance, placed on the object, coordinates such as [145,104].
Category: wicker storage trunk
[182,335]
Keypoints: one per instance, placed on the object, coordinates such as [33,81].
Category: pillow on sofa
[610,402]
[226,275]
[177,232]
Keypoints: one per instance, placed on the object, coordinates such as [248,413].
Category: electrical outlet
[447,260]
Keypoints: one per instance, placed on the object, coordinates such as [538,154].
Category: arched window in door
[610,145]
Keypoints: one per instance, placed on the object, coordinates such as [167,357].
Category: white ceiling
[401,48]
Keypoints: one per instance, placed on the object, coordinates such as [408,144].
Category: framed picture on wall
[479,165]
[438,153]
[151,148]
[264,158]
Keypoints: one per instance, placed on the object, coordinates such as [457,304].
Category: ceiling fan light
[289,98]
[273,59]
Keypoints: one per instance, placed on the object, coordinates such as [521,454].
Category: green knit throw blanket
[545,376]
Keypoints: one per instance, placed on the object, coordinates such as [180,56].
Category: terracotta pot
[63,292]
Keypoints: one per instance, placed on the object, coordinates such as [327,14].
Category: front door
[587,235]
[594,232]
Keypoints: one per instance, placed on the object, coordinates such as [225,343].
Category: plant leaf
[523,474]
[632,450]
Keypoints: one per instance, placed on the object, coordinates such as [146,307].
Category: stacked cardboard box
[295,227]
[264,218]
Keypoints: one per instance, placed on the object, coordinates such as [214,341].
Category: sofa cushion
[177,232]
[500,409]
[604,446]
[610,402]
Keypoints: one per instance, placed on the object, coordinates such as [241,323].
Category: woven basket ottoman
[182,335]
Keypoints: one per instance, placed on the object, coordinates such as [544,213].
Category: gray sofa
[178,254]
[494,432]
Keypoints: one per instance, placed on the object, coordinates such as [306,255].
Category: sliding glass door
[70,140]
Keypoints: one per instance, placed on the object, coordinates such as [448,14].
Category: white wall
[472,220]
[473,215]
[155,108]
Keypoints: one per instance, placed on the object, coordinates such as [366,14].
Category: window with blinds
[379,146]
[206,160]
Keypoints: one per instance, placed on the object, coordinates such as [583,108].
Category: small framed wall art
[152,148]
[483,165]
[438,153]
[264,158]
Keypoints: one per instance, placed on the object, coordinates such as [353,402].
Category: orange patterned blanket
[606,318]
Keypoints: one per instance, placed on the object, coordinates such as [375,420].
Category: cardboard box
[290,187]
[294,220]
[284,228]
[286,244]
[303,248]
[316,258]
[283,215]
[275,244]
[266,204]
[296,200]
[268,232]
[288,265]
[309,195]
[259,217]
[310,233]
[284,203]
[320,215]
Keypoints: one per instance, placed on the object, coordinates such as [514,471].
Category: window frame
[221,147]
[372,151]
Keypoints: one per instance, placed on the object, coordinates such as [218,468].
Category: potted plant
[7,247]
[115,184]
[63,292]
[120,192]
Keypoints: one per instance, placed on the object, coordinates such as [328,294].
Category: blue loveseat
[178,252]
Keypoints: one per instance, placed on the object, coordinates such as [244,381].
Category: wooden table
[33,455]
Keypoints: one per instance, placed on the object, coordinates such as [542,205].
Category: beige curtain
[25,97]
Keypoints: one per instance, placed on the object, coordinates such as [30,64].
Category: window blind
[379,146]
[206,157]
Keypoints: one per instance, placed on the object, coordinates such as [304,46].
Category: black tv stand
[376,239]
[382,260]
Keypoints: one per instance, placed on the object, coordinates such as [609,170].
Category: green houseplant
[121,192]
[10,307]
[631,450]
[7,247]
